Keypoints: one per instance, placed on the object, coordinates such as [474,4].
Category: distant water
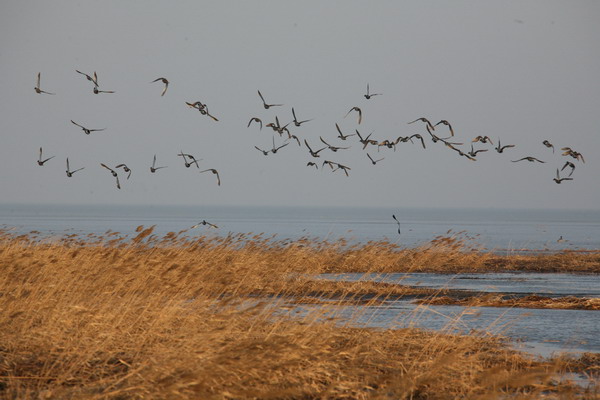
[495,229]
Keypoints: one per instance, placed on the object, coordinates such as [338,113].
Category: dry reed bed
[175,318]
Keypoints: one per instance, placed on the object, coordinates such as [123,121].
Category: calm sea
[494,229]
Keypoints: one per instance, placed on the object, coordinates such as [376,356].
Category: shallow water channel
[539,331]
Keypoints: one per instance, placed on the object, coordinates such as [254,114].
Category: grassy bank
[198,318]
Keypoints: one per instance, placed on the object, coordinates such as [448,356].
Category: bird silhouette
[94,80]
[500,148]
[86,130]
[374,162]
[265,152]
[69,172]
[257,120]
[549,145]
[570,165]
[398,222]
[275,149]
[42,162]
[358,110]
[530,159]
[313,153]
[204,223]
[265,105]
[165,81]
[575,154]
[558,179]
[185,159]
[482,139]
[295,121]
[114,173]
[423,119]
[214,171]
[312,164]
[341,135]
[473,153]
[154,168]
[332,148]
[369,95]
[444,122]
[37,86]
[125,169]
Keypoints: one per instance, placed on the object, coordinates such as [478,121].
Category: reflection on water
[538,331]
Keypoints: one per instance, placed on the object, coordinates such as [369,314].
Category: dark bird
[185,159]
[369,95]
[125,168]
[570,165]
[214,171]
[418,136]
[312,164]
[482,139]
[501,148]
[343,168]
[549,145]
[265,105]
[37,87]
[295,121]
[332,148]
[575,154]
[398,222]
[330,163]
[374,161]
[275,149]
[154,168]
[114,173]
[69,172]
[434,137]
[265,152]
[366,141]
[341,135]
[86,130]
[296,139]
[530,159]
[203,222]
[444,122]
[358,110]
[473,153]
[313,153]
[40,161]
[423,119]
[96,90]
[257,120]
[165,81]
[558,179]
[94,80]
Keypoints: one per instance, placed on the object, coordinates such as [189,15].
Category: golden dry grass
[212,318]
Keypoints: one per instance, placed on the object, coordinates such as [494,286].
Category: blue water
[496,230]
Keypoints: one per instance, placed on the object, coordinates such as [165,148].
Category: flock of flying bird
[283,136]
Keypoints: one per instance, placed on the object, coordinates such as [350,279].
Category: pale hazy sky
[521,71]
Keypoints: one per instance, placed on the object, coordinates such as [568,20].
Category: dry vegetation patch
[200,318]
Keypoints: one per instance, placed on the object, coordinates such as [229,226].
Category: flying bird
[214,171]
[558,179]
[549,145]
[530,159]
[265,105]
[570,165]
[374,162]
[86,130]
[398,222]
[501,148]
[154,168]
[312,164]
[423,119]
[125,169]
[418,136]
[275,149]
[575,154]
[69,172]
[204,222]
[343,168]
[295,121]
[313,153]
[369,95]
[444,122]
[341,135]
[257,120]
[37,87]
[358,110]
[96,90]
[185,161]
[94,80]
[40,161]
[114,173]
[473,153]
[265,152]
[165,81]
[482,139]
[333,148]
